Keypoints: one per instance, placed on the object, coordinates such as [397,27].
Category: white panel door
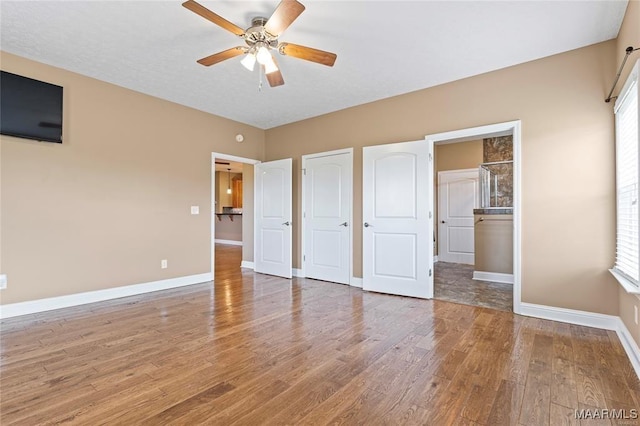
[327,215]
[397,235]
[457,197]
[273,189]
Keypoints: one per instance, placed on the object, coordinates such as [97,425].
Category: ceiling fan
[261,38]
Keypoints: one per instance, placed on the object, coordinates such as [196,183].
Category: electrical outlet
[3,281]
[163,264]
[195,209]
[635,314]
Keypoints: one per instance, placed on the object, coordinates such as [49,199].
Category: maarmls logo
[606,413]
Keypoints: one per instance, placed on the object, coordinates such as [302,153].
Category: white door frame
[513,128]
[348,151]
[214,156]
[437,198]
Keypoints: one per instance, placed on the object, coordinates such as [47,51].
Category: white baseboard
[228,242]
[630,345]
[42,305]
[435,259]
[297,273]
[571,316]
[495,277]
[588,319]
[247,264]
[356,282]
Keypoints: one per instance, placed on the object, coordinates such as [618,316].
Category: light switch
[3,281]
[195,209]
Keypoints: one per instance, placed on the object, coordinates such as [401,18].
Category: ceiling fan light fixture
[249,61]
[270,66]
[263,55]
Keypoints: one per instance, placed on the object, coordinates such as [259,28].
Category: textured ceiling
[384,48]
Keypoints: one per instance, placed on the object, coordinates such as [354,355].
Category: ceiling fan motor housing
[257,34]
[259,21]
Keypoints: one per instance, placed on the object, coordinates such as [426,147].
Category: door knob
[345,224]
[287,223]
[442,221]
[366,225]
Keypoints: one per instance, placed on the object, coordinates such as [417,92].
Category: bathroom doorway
[476,220]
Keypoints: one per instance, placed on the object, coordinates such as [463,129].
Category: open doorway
[232,214]
[229,208]
[476,221]
[228,202]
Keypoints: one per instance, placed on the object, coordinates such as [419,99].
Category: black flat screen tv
[30,109]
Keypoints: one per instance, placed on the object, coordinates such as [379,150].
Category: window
[627,266]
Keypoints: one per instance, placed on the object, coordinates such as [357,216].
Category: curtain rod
[628,51]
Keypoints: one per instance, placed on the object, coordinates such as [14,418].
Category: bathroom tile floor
[453,282]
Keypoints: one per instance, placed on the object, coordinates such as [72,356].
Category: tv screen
[30,108]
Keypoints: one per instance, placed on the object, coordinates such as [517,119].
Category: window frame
[627,282]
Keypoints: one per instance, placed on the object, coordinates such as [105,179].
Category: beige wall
[567,162]
[454,156]
[629,36]
[102,209]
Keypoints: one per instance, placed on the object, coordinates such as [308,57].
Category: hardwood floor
[263,350]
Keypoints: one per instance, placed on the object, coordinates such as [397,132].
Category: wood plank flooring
[257,349]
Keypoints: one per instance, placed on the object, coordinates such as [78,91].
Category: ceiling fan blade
[275,78]
[216,19]
[308,53]
[221,56]
[286,12]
